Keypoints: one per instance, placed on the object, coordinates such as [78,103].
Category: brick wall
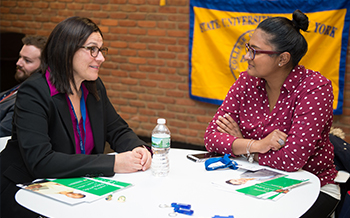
[146,71]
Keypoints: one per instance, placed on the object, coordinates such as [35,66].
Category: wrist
[250,155]
[115,163]
[255,146]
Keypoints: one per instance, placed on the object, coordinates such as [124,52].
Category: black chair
[342,163]
[10,46]
[345,210]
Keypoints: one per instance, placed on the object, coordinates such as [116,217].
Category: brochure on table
[262,183]
[272,189]
[75,190]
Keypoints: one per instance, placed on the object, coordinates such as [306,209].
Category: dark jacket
[43,144]
[6,112]
[342,162]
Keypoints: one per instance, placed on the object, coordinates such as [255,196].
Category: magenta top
[89,145]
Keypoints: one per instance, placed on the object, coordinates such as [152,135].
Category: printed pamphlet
[261,174]
[272,189]
[75,190]
[262,183]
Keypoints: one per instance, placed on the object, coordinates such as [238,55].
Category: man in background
[28,62]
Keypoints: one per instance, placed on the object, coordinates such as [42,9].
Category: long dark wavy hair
[57,56]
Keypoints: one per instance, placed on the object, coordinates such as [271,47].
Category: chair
[342,177]
[3,142]
[345,211]
[342,163]
[10,46]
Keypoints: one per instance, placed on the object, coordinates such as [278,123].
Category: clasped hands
[274,141]
[132,161]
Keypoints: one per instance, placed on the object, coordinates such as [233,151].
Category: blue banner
[219,27]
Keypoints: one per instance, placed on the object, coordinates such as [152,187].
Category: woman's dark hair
[286,36]
[57,57]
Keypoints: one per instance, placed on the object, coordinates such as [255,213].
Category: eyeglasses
[94,50]
[252,52]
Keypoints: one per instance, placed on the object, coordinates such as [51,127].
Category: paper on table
[75,190]
[272,189]
[261,174]
[258,184]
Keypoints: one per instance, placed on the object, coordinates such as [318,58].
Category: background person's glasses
[252,52]
[94,50]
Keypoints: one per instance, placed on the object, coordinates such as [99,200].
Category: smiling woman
[63,119]
[85,65]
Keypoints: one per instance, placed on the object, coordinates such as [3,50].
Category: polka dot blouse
[304,111]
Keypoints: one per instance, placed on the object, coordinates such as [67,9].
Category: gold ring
[122,198]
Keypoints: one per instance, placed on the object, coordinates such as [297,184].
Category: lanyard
[225,160]
[9,93]
[83,116]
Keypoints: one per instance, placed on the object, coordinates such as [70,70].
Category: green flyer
[272,188]
[76,190]
[96,186]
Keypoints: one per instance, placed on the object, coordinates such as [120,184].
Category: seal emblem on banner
[237,61]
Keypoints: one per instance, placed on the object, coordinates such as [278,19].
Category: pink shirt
[89,144]
[304,111]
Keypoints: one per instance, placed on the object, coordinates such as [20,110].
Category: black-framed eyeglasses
[252,52]
[94,50]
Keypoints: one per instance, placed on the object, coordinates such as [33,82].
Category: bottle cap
[161,121]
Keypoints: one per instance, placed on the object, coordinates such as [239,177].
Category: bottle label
[161,142]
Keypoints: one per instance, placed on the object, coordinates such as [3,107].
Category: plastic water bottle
[160,148]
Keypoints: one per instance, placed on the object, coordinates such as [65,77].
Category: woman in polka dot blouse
[279,113]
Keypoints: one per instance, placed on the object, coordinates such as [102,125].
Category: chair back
[10,44]
[3,142]
[342,163]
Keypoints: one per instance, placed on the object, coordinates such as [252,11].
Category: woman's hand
[227,125]
[146,157]
[274,141]
[132,161]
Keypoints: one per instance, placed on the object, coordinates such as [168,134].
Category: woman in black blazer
[63,118]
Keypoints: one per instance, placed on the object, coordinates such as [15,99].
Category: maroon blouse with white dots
[304,111]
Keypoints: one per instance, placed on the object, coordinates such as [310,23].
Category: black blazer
[6,112]
[43,145]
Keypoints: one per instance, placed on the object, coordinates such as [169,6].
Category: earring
[279,64]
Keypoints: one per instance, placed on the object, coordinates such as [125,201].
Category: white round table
[189,183]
